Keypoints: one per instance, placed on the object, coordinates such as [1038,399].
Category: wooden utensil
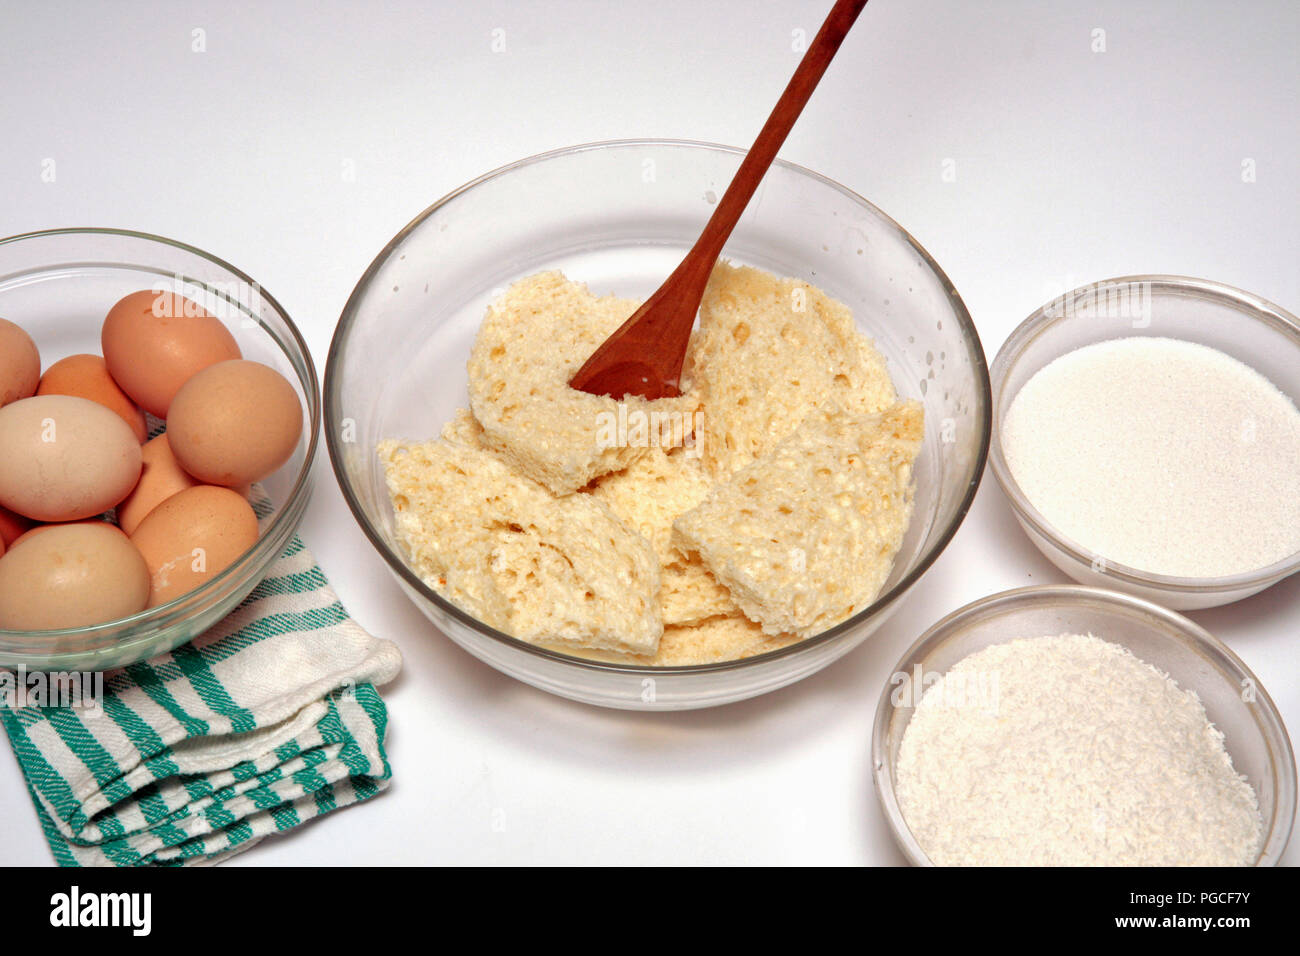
[644,355]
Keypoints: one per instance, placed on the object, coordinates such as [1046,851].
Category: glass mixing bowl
[59,286]
[1234,699]
[1250,329]
[620,216]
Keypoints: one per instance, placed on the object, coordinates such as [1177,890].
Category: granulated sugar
[1074,752]
[1163,455]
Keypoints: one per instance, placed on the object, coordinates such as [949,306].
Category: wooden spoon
[644,355]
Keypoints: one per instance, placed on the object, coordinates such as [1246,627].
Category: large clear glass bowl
[619,216]
[1250,329]
[1234,700]
[59,286]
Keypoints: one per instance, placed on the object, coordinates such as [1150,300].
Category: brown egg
[36,529]
[154,342]
[12,526]
[234,423]
[20,364]
[71,576]
[191,537]
[87,377]
[63,458]
[160,478]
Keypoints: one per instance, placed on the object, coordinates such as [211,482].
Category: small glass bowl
[1234,700]
[1244,326]
[619,216]
[58,286]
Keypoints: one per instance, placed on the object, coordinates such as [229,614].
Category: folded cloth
[262,723]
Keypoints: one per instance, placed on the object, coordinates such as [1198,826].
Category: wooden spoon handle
[774,132]
[644,355]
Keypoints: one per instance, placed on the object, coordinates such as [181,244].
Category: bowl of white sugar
[1147,436]
[1075,726]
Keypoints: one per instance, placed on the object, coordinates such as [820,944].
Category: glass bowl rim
[333,413]
[1191,634]
[181,608]
[1251,306]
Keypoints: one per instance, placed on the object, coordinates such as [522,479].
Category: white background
[1071,166]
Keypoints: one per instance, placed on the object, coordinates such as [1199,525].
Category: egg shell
[191,537]
[41,528]
[87,376]
[36,529]
[155,341]
[63,458]
[160,478]
[234,423]
[71,575]
[20,363]
[12,526]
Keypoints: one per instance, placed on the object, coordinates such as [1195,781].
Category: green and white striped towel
[266,721]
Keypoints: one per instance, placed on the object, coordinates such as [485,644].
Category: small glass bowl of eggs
[158,421]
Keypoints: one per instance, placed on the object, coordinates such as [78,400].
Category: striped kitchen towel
[262,723]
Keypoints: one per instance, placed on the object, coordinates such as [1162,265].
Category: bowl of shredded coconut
[1066,725]
[1147,437]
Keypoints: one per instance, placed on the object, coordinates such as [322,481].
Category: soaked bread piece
[532,341]
[806,536]
[717,639]
[690,593]
[769,351]
[706,642]
[464,429]
[503,548]
[646,497]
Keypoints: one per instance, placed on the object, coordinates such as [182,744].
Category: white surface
[1071,166]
